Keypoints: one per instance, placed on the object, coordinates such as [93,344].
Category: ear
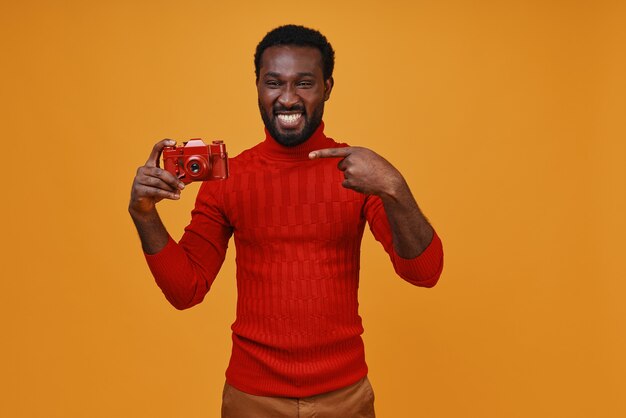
[328,87]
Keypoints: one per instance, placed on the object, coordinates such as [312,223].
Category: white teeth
[289,119]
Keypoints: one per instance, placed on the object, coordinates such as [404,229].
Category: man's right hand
[153,184]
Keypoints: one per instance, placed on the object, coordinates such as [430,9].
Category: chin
[289,140]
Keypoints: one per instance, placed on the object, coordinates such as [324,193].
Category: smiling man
[292,89]
[297,204]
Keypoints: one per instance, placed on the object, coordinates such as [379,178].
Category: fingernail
[171,142]
[181,186]
[312,155]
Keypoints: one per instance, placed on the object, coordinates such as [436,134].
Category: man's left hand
[364,170]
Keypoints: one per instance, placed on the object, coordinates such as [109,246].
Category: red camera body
[196,161]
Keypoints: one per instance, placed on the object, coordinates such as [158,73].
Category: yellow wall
[507,119]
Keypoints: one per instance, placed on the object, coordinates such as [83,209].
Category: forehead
[291,59]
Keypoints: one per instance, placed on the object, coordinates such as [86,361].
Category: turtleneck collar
[272,149]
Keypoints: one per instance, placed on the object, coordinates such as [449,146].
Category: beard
[291,139]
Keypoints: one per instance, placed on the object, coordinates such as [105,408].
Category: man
[297,204]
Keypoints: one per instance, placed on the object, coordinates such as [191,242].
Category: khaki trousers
[354,401]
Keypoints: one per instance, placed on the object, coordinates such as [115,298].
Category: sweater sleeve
[185,270]
[423,270]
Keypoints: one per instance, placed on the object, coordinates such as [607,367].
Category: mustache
[294,108]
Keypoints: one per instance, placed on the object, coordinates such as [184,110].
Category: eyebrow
[277,75]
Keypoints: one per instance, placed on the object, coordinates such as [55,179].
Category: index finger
[153,159]
[331,153]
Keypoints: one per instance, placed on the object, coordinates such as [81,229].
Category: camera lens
[197,167]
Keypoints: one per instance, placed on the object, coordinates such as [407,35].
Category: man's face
[292,92]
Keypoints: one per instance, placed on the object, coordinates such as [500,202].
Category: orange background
[506,118]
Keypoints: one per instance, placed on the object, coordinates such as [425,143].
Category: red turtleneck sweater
[297,234]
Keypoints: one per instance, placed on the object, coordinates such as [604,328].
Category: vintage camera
[196,161]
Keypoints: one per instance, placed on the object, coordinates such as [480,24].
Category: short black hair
[300,36]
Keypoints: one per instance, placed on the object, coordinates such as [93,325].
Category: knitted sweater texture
[297,234]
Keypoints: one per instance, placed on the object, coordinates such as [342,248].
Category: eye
[272,83]
[305,84]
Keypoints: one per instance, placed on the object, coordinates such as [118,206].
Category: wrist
[143,216]
[396,191]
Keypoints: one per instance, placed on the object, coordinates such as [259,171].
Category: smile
[290,119]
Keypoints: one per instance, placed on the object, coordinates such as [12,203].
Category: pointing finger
[331,153]
[153,159]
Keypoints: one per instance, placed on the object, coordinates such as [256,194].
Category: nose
[288,97]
